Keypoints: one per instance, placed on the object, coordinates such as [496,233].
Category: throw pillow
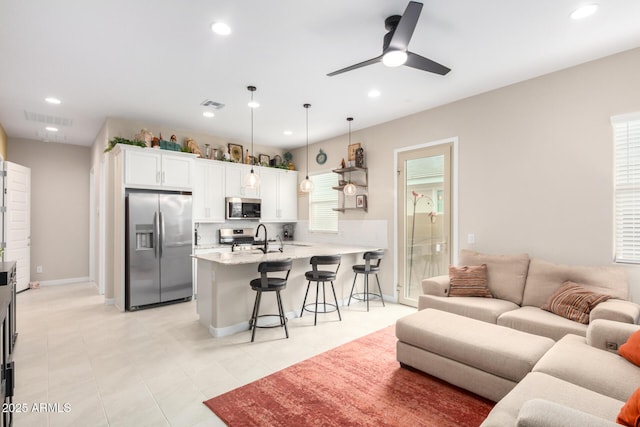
[468,281]
[630,350]
[573,302]
[630,413]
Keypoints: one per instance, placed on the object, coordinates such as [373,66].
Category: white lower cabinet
[279,194]
[208,191]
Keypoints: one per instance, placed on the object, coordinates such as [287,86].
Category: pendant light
[349,189]
[306,185]
[252,180]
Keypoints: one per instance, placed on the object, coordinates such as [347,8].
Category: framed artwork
[253,160]
[235,151]
[352,151]
[263,160]
[361,201]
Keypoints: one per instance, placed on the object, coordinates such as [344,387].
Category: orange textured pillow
[469,281]
[573,302]
[630,413]
[630,350]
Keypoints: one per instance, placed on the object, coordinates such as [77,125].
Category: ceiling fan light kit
[395,46]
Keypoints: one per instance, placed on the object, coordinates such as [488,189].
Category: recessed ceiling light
[52,100]
[584,11]
[373,93]
[253,104]
[220,28]
[208,114]
[288,132]
[51,129]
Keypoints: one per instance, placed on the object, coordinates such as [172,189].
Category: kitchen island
[225,299]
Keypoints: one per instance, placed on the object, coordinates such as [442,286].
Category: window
[626,133]
[322,200]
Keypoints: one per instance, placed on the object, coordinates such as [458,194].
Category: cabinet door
[201,204]
[215,189]
[234,181]
[288,196]
[269,183]
[176,172]
[142,168]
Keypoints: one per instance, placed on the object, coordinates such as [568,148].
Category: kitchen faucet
[264,250]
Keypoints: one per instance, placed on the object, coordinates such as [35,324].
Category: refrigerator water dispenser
[144,237]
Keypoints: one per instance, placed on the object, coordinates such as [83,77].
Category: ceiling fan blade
[422,63]
[406,26]
[355,66]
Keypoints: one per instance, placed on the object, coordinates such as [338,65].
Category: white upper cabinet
[208,191]
[234,183]
[279,193]
[151,168]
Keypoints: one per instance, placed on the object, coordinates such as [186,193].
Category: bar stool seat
[366,269]
[321,276]
[266,283]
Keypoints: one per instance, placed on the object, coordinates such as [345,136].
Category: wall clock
[321,158]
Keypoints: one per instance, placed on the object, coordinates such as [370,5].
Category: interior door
[18,221]
[424,217]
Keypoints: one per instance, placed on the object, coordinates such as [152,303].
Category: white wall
[59,207]
[535,162]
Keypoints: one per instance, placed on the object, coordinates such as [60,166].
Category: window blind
[626,133]
[322,200]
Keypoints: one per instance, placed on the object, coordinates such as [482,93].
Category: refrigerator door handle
[161,233]
[156,234]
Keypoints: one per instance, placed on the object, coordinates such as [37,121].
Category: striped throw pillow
[573,302]
[468,281]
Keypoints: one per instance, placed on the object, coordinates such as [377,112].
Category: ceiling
[157,61]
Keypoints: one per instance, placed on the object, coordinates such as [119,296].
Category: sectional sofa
[541,368]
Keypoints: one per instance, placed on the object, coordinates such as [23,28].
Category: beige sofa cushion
[544,278]
[479,308]
[543,386]
[537,321]
[506,274]
[573,360]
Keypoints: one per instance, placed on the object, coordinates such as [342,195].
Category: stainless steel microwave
[242,208]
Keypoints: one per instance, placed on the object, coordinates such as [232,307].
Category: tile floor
[152,367]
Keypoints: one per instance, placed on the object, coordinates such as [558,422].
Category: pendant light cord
[307,108]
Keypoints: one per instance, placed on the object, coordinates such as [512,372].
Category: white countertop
[293,250]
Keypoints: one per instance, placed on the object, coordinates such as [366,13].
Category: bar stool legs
[324,303]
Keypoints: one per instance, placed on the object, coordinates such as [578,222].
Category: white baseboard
[109,301]
[64,281]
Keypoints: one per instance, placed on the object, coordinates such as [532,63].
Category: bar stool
[323,276]
[269,284]
[366,269]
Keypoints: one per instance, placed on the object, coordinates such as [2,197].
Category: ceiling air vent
[45,118]
[212,104]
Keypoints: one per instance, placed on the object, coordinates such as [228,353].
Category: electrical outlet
[39,269]
[471,238]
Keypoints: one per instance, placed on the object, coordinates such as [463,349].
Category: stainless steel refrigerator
[158,250]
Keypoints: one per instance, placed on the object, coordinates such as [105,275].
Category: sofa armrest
[544,413]
[438,286]
[616,309]
[608,334]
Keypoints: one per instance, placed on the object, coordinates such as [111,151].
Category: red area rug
[357,384]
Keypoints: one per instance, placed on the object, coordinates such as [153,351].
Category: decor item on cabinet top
[193,147]
[118,140]
[235,152]
[264,159]
[144,136]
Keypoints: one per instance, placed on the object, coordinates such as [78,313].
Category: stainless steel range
[245,239]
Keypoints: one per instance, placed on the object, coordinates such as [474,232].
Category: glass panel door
[424,218]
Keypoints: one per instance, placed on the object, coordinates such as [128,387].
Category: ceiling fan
[395,50]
